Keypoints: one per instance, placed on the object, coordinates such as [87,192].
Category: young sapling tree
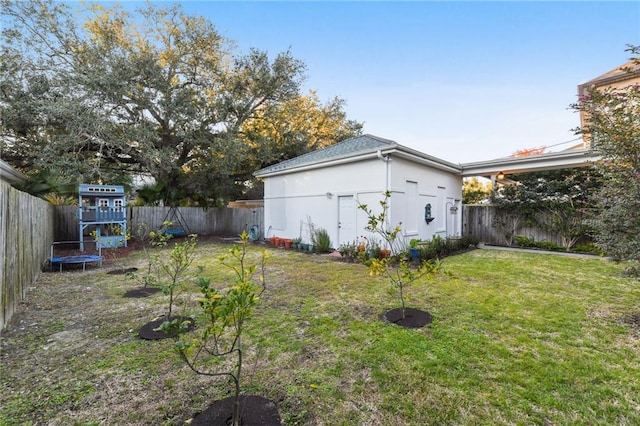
[175,267]
[174,270]
[396,267]
[150,239]
[224,313]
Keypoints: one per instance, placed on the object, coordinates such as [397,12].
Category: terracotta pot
[384,253]
[276,241]
[287,242]
[272,240]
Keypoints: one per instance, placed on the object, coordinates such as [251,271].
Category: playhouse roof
[103,190]
[352,149]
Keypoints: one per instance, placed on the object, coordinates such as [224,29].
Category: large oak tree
[105,95]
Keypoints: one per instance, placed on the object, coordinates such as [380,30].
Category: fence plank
[215,221]
[26,232]
[477,220]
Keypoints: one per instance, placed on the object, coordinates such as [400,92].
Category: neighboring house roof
[9,174]
[627,71]
[353,149]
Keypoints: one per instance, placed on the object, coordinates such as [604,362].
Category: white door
[346,219]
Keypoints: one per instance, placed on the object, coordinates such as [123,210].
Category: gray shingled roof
[348,148]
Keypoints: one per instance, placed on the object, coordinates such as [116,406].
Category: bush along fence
[367,250]
[191,220]
[26,226]
[491,226]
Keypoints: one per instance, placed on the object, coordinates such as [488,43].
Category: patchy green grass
[517,338]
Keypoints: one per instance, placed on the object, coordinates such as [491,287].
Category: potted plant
[414,250]
[384,253]
[224,314]
[400,274]
[295,244]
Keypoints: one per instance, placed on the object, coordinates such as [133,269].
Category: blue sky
[462,81]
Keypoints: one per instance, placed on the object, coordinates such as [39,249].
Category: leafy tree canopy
[537,191]
[474,191]
[157,92]
[613,126]
[559,201]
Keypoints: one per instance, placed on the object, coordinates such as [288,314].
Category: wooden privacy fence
[478,221]
[214,221]
[26,233]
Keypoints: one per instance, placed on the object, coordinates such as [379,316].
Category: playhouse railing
[101,214]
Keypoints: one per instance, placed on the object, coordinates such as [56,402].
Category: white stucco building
[325,187]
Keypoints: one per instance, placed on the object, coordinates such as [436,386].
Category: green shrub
[587,248]
[632,271]
[440,247]
[524,241]
[468,241]
[529,242]
[321,241]
[349,251]
[548,245]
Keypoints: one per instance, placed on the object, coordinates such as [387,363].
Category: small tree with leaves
[149,239]
[613,126]
[224,313]
[396,267]
[175,267]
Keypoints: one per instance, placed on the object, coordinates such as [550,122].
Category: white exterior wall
[290,200]
[415,185]
[321,196]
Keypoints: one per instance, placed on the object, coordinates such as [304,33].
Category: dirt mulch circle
[149,330]
[142,292]
[122,271]
[632,319]
[413,318]
[254,411]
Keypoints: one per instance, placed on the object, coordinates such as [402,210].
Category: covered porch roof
[532,163]
[9,174]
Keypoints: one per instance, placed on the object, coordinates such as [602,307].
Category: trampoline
[69,259]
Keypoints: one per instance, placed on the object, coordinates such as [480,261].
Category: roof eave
[510,165]
[317,165]
[400,151]
[605,81]
[425,159]
[10,174]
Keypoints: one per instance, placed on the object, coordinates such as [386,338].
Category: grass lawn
[517,338]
